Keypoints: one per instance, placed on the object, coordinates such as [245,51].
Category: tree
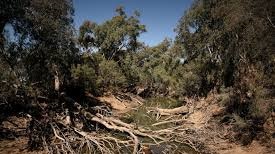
[36,49]
[114,37]
[116,41]
[98,75]
[44,41]
[154,67]
[227,36]
[53,51]
[231,45]
[12,12]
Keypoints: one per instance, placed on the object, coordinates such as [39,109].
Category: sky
[159,16]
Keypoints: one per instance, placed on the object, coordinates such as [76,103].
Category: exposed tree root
[102,132]
[82,129]
[121,137]
[121,129]
[69,139]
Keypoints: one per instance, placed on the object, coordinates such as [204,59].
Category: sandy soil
[204,111]
[16,146]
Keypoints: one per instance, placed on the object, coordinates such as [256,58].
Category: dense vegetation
[222,46]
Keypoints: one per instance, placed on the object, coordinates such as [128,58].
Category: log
[178,110]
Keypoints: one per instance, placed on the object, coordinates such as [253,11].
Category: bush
[110,76]
[85,76]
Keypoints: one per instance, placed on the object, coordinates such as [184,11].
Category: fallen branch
[167,112]
[178,110]
[121,129]
[56,135]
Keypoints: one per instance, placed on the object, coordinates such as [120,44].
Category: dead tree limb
[121,129]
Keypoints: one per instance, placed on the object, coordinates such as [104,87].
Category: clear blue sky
[159,16]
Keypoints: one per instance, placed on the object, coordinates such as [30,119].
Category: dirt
[121,105]
[16,146]
[204,112]
[254,148]
[16,142]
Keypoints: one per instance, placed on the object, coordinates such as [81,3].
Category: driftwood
[118,101]
[168,112]
[178,110]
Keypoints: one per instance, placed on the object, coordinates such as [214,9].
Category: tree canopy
[114,37]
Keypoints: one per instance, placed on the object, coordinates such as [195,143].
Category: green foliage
[130,68]
[229,45]
[113,45]
[113,37]
[225,39]
[86,75]
[12,12]
[156,67]
[189,84]
[98,75]
[54,49]
[110,75]
[43,42]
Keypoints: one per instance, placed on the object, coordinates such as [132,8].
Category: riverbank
[187,126]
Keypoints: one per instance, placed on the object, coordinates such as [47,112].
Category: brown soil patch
[16,146]
[214,134]
[121,105]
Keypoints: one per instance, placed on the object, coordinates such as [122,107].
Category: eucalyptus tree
[114,37]
[42,43]
[228,37]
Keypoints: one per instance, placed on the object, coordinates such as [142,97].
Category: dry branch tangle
[117,125]
[107,142]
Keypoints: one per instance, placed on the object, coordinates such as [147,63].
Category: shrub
[84,76]
[110,76]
